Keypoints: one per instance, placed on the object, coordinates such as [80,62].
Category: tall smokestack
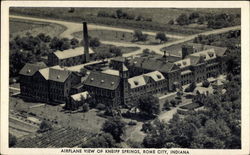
[86,41]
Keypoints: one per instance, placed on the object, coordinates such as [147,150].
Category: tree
[45,126]
[94,42]
[205,83]
[161,36]
[74,42]
[116,51]
[12,140]
[85,107]
[166,105]
[173,103]
[104,140]
[139,36]
[191,87]
[182,20]
[149,105]
[171,22]
[115,127]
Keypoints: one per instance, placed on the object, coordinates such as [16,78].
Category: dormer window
[58,76]
[184,63]
[28,71]
[92,79]
[179,64]
[112,83]
[136,83]
[158,76]
[102,81]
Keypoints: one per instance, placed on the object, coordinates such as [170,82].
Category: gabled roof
[111,72]
[119,59]
[77,97]
[152,65]
[141,80]
[102,80]
[136,81]
[220,51]
[71,53]
[156,75]
[31,69]
[58,75]
[206,54]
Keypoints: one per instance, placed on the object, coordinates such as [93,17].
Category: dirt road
[76,27]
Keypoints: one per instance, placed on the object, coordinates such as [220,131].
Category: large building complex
[120,81]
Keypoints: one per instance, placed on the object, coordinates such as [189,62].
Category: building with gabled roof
[51,84]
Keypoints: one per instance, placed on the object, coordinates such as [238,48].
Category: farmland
[56,138]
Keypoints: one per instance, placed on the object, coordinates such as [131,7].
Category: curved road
[76,27]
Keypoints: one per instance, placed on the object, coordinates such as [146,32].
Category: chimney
[86,42]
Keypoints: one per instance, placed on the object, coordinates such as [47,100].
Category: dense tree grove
[30,49]
[121,14]
[104,140]
[115,127]
[214,21]
[149,106]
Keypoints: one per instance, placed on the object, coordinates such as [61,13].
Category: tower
[86,42]
[124,75]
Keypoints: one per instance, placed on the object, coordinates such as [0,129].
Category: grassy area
[160,17]
[117,36]
[104,48]
[190,106]
[88,121]
[23,27]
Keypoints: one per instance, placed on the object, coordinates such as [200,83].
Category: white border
[244,5]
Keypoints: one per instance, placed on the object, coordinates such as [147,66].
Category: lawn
[105,48]
[23,27]
[88,121]
[118,36]
[190,106]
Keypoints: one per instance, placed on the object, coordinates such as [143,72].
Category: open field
[118,36]
[23,27]
[103,48]
[160,17]
[87,121]
[190,106]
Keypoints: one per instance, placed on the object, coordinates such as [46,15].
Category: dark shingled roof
[152,65]
[119,59]
[102,80]
[58,75]
[31,69]
[220,51]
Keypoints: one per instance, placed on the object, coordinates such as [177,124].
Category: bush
[166,105]
[100,106]
[205,84]
[173,103]
[85,107]
[132,123]
[44,126]
[94,42]
[191,87]
[12,140]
